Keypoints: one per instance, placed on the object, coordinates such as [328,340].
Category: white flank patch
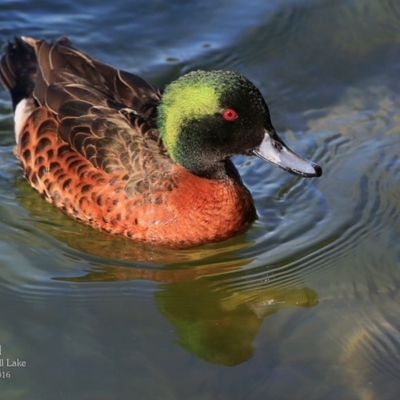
[22,111]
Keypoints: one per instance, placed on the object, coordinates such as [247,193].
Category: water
[303,305]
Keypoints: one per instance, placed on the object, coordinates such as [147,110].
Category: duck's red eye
[229,114]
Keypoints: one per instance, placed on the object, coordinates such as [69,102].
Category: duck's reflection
[214,319]
[219,326]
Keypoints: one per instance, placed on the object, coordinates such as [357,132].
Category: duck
[118,154]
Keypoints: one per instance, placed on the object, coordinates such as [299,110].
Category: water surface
[303,305]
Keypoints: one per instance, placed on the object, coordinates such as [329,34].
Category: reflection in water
[215,321]
[219,326]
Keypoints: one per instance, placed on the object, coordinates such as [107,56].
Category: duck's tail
[18,69]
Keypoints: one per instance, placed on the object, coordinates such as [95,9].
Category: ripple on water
[366,329]
[360,265]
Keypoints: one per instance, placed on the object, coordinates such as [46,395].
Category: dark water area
[305,305]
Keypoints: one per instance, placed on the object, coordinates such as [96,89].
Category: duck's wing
[59,61]
[105,114]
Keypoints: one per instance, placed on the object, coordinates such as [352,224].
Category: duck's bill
[273,150]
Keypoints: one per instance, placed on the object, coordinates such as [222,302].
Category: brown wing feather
[60,59]
[106,115]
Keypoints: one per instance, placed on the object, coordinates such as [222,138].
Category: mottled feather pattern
[92,103]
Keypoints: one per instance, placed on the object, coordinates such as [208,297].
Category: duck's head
[206,117]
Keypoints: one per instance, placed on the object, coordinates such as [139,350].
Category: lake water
[306,304]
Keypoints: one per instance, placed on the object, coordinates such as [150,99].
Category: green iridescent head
[206,117]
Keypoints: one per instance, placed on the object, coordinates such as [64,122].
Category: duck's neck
[223,170]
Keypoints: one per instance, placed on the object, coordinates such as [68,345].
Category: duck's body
[88,140]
